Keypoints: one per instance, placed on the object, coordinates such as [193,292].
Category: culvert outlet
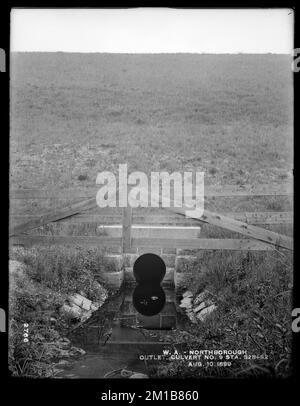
[150,269]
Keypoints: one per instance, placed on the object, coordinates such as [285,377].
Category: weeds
[253,295]
[65,269]
[36,295]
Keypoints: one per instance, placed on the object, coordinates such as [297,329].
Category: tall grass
[36,295]
[253,294]
[64,269]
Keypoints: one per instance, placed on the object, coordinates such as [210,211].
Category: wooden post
[126,230]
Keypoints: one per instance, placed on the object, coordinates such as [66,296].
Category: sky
[153,30]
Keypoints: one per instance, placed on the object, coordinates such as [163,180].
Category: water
[118,334]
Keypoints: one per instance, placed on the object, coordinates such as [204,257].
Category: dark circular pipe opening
[149,268]
[149,300]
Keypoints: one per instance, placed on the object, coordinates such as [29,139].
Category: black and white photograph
[151,194]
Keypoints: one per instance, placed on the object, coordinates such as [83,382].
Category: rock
[86,304]
[86,315]
[186,303]
[201,297]
[80,301]
[79,307]
[75,311]
[72,312]
[205,312]
[139,375]
[95,306]
[64,341]
[200,307]
[77,351]
[187,294]
[192,316]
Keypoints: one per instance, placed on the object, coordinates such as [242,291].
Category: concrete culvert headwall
[167,268]
[149,268]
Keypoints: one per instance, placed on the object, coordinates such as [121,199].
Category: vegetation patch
[41,280]
[253,294]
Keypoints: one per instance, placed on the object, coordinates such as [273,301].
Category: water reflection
[157,314]
[148,300]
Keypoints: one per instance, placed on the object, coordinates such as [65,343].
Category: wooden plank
[37,211]
[71,193]
[228,223]
[208,217]
[183,243]
[248,230]
[211,218]
[249,218]
[203,244]
[263,217]
[29,240]
[58,214]
[76,219]
[210,190]
[53,216]
[126,229]
[156,231]
[167,218]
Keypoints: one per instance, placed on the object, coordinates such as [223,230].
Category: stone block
[80,301]
[199,307]
[179,280]
[72,312]
[170,251]
[205,312]
[188,293]
[113,280]
[201,297]
[129,259]
[114,262]
[186,303]
[128,276]
[169,260]
[149,250]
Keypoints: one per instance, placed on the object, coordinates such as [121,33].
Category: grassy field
[73,115]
